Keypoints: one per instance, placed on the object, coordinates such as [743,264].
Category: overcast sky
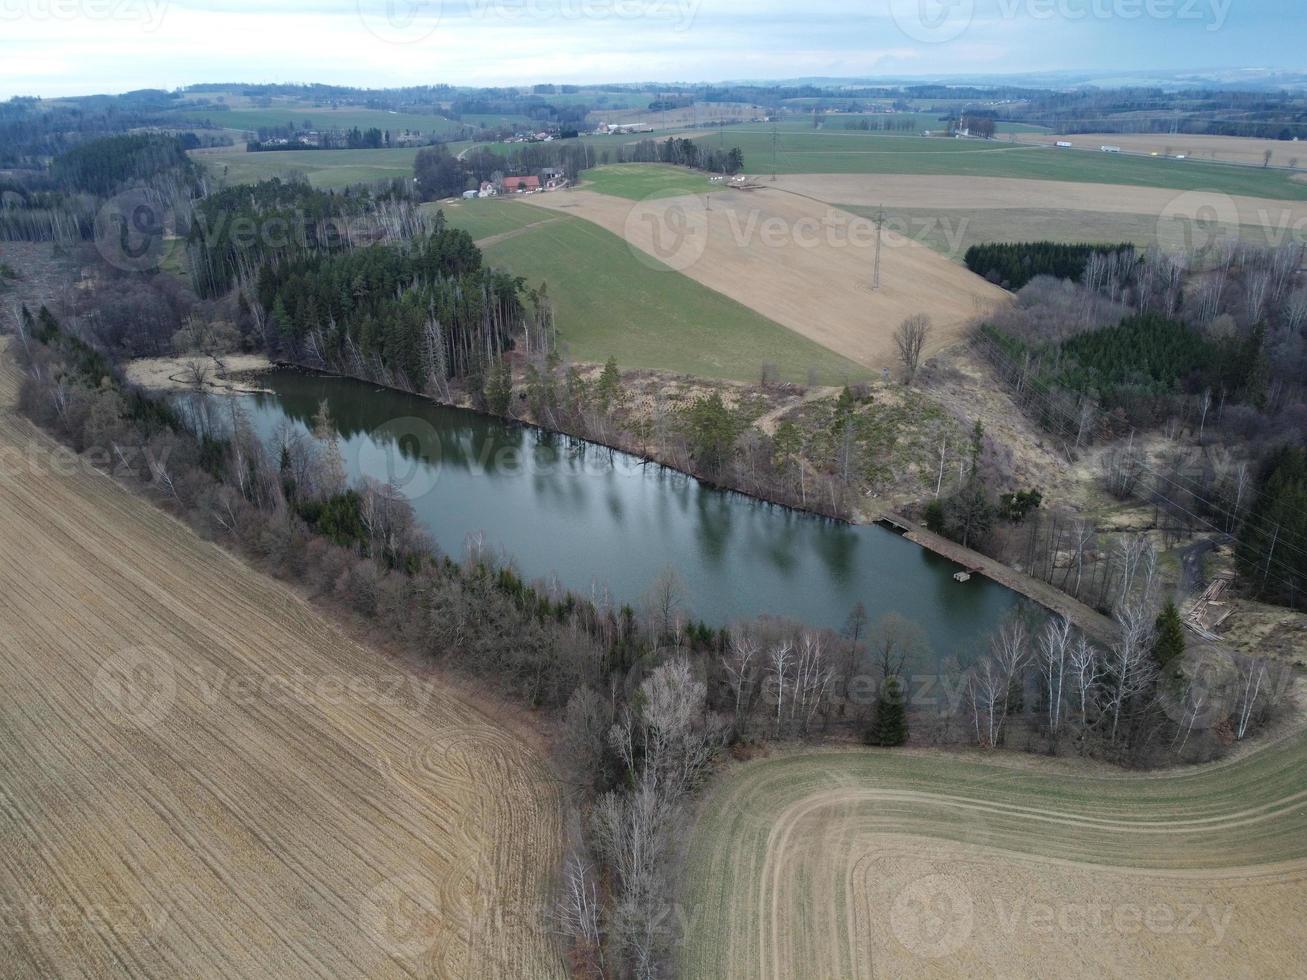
[66,47]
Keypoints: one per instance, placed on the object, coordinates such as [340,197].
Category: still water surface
[601,520]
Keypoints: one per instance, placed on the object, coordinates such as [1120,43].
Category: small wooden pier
[1093,623]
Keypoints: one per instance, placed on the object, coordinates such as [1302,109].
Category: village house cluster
[545,179]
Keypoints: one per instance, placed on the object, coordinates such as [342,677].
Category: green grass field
[805,150]
[328,169]
[640,181]
[339,168]
[484,218]
[835,122]
[608,303]
[318,117]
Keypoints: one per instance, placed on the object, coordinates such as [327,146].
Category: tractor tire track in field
[202,777]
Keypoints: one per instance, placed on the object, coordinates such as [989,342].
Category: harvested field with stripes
[202,777]
[921,863]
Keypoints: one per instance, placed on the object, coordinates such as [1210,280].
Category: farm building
[617,128]
[520,185]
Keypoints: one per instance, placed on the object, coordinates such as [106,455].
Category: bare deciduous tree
[1054,659]
[742,664]
[1129,663]
[578,910]
[910,339]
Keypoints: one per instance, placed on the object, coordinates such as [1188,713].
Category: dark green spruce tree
[889,727]
[1168,648]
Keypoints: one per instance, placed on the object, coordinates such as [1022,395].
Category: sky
[77,47]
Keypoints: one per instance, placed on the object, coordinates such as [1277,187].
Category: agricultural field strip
[819,289]
[1245,150]
[776,839]
[1261,795]
[157,819]
[608,302]
[984,193]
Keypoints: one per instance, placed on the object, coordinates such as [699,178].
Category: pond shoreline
[964,559]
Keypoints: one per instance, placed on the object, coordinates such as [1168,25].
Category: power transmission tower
[775,139]
[875,276]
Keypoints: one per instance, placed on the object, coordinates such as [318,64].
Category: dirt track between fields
[799,262]
[204,778]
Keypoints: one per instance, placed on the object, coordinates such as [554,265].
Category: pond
[603,522]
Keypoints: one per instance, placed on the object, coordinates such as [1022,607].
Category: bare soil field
[921,863]
[202,777]
[1175,217]
[1224,149]
[797,261]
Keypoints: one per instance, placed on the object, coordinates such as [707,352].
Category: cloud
[56,47]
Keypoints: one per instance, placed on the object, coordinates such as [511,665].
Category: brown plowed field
[203,778]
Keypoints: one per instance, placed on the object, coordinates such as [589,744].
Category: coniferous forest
[421,314]
[1012,265]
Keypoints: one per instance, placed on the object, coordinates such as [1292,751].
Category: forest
[1273,548]
[103,166]
[418,315]
[1207,351]
[236,230]
[1013,265]
[1143,365]
[682,153]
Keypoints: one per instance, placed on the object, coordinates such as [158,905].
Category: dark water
[600,520]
